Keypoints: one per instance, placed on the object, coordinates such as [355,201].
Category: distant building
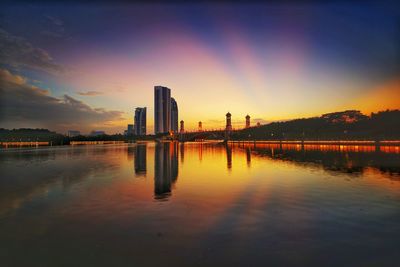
[140,121]
[73,133]
[97,133]
[228,126]
[174,115]
[348,116]
[258,124]
[182,129]
[200,126]
[162,109]
[247,121]
[129,130]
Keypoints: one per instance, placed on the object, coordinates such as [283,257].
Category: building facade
[174,115]
[162,109]
[129,130]
[140,121]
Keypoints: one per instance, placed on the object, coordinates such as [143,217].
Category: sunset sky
[87,66]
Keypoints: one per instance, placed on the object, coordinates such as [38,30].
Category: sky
[86,66]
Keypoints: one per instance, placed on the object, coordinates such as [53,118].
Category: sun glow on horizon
[272,62]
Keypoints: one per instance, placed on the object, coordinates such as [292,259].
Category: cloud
[25,105]
[90,93]
[56,21]
[55,27]
[53,34]
[17,52]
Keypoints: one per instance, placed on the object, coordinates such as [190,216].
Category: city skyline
[274,62]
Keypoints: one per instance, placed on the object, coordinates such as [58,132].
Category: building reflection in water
[140,159]
[182,152]
[349,159]
[165,169]
[200,148]
[228,156]
[248,157]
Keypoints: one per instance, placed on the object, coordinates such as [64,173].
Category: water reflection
[165,169]
[27,174]
[248,157]
[200,149]
[140,160]
[352,160]
[182,151]
[228,156]
[237,205]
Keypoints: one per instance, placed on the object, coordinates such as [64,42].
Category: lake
[200,204]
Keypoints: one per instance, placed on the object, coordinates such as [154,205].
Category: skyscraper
[140,121]
[174,115]
[162,109]
[130,130]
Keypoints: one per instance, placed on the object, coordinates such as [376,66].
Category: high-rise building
[129,130]
[140,121]
[162,109]
[247,121]
[174,115]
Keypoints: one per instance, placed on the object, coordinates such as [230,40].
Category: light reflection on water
[200,204]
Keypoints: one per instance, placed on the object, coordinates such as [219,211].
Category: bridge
[219,134]
[203,135]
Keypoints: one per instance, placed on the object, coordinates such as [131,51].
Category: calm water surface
[200,205]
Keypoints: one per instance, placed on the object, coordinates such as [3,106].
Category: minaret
[247,121]
[182,129]
[228,122]
[200,126]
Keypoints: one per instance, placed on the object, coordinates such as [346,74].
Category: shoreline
[5,145]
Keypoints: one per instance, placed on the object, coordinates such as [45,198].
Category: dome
[228,114]
[247,116]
